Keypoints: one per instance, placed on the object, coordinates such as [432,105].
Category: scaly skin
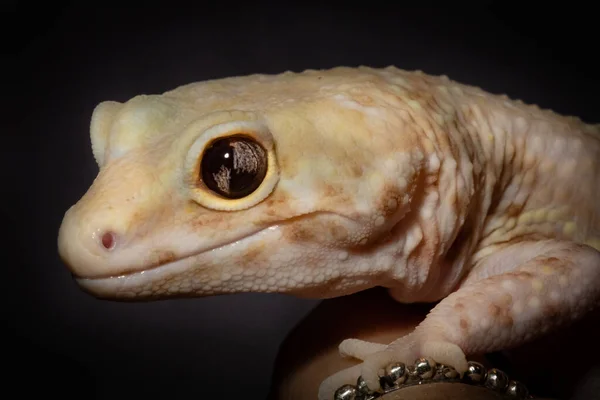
[433,189]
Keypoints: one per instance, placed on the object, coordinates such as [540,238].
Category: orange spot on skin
[464,324]
[252,254]
[330,190]
[160,257]
[494,310]
[301,233]
[356,171]
[338,232]
[506,320]
[501,315]
[513,210]
[506,300]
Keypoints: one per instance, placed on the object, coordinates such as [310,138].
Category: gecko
[324,183]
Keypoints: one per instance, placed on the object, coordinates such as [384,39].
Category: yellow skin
[374,177]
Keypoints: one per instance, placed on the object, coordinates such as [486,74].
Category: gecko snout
[86,245]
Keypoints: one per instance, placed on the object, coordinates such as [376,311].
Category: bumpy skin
[433,189]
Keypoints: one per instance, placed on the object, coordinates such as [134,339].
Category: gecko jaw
[171,275]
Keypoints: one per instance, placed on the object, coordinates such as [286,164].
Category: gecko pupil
[233,167]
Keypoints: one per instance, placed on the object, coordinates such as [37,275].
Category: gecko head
[236,186]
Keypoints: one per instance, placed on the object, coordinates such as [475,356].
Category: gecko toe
[374,366]
[359,349]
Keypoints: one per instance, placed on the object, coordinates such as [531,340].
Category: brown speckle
[513,210]
[506,300]
[277,206]
[464,324]
[459,307]
[506,320]
[494,310]
[252,254]
[356,171]
[501,315]
[161,257]
[300,233]
[338,232]
[331,190]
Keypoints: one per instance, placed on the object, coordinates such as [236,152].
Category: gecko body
[328,182]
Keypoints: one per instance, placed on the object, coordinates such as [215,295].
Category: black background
[63,59]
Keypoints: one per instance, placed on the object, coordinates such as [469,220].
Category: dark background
[63,59]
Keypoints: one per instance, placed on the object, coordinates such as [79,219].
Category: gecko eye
[233,166]
[230,166]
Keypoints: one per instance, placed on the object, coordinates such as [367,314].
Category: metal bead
[362,389]
[395,374]
[476,373]
[346,392]
[446,373]
[517,390]
[496,380]
[424,368]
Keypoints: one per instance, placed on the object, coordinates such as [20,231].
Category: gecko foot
[375,363]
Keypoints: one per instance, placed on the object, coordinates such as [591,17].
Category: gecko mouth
[157,281]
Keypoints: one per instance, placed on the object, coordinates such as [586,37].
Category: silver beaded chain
[425,370]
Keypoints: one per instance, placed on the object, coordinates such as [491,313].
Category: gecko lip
[157,266]
[115,286]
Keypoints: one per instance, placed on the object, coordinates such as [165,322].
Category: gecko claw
[447,353]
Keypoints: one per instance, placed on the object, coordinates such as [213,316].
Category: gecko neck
[475,143]
[457,184]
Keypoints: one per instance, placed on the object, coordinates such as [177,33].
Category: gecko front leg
[502,304]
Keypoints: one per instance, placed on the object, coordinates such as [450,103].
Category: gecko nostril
[108,240]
